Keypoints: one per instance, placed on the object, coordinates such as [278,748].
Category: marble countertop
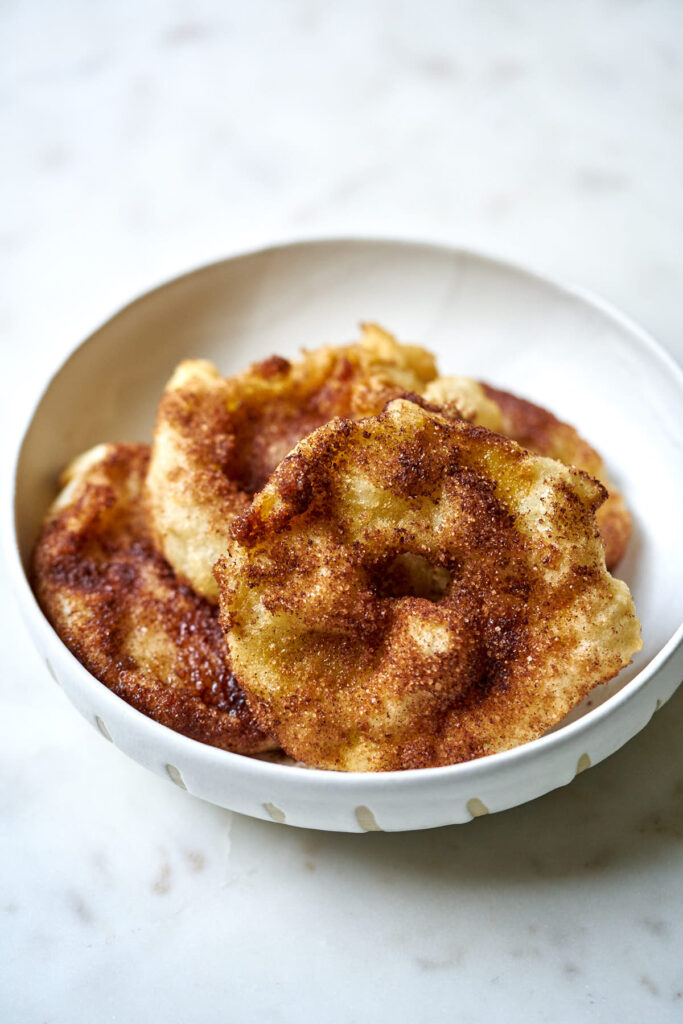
[140,139]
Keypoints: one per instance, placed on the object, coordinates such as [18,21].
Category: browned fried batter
[411,591]
[119,608]
[538,430]
[218,439]
[542,433]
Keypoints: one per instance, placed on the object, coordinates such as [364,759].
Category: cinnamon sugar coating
[542,433]
[218,439]
[119,608]
[410,591]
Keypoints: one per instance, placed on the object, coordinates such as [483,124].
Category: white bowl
[481,317]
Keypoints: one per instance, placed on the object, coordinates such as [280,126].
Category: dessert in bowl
[481,318]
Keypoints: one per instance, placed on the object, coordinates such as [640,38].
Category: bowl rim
[262,770]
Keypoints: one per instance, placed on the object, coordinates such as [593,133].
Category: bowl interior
[480,317]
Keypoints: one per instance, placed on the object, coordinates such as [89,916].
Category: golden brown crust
[464,398]
[218,439]
[544,434]
[411,591]
[118,607]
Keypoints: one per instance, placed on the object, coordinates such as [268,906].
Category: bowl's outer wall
[481,317]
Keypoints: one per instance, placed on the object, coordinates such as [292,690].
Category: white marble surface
[142,138]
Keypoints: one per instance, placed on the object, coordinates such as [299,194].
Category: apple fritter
[218,439]
[410,590]
[119,608]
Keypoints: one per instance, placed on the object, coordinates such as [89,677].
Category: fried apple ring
[542,433]
[409,591]
[218,439]
[118,607]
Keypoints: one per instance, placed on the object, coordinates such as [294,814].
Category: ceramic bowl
[482,318]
